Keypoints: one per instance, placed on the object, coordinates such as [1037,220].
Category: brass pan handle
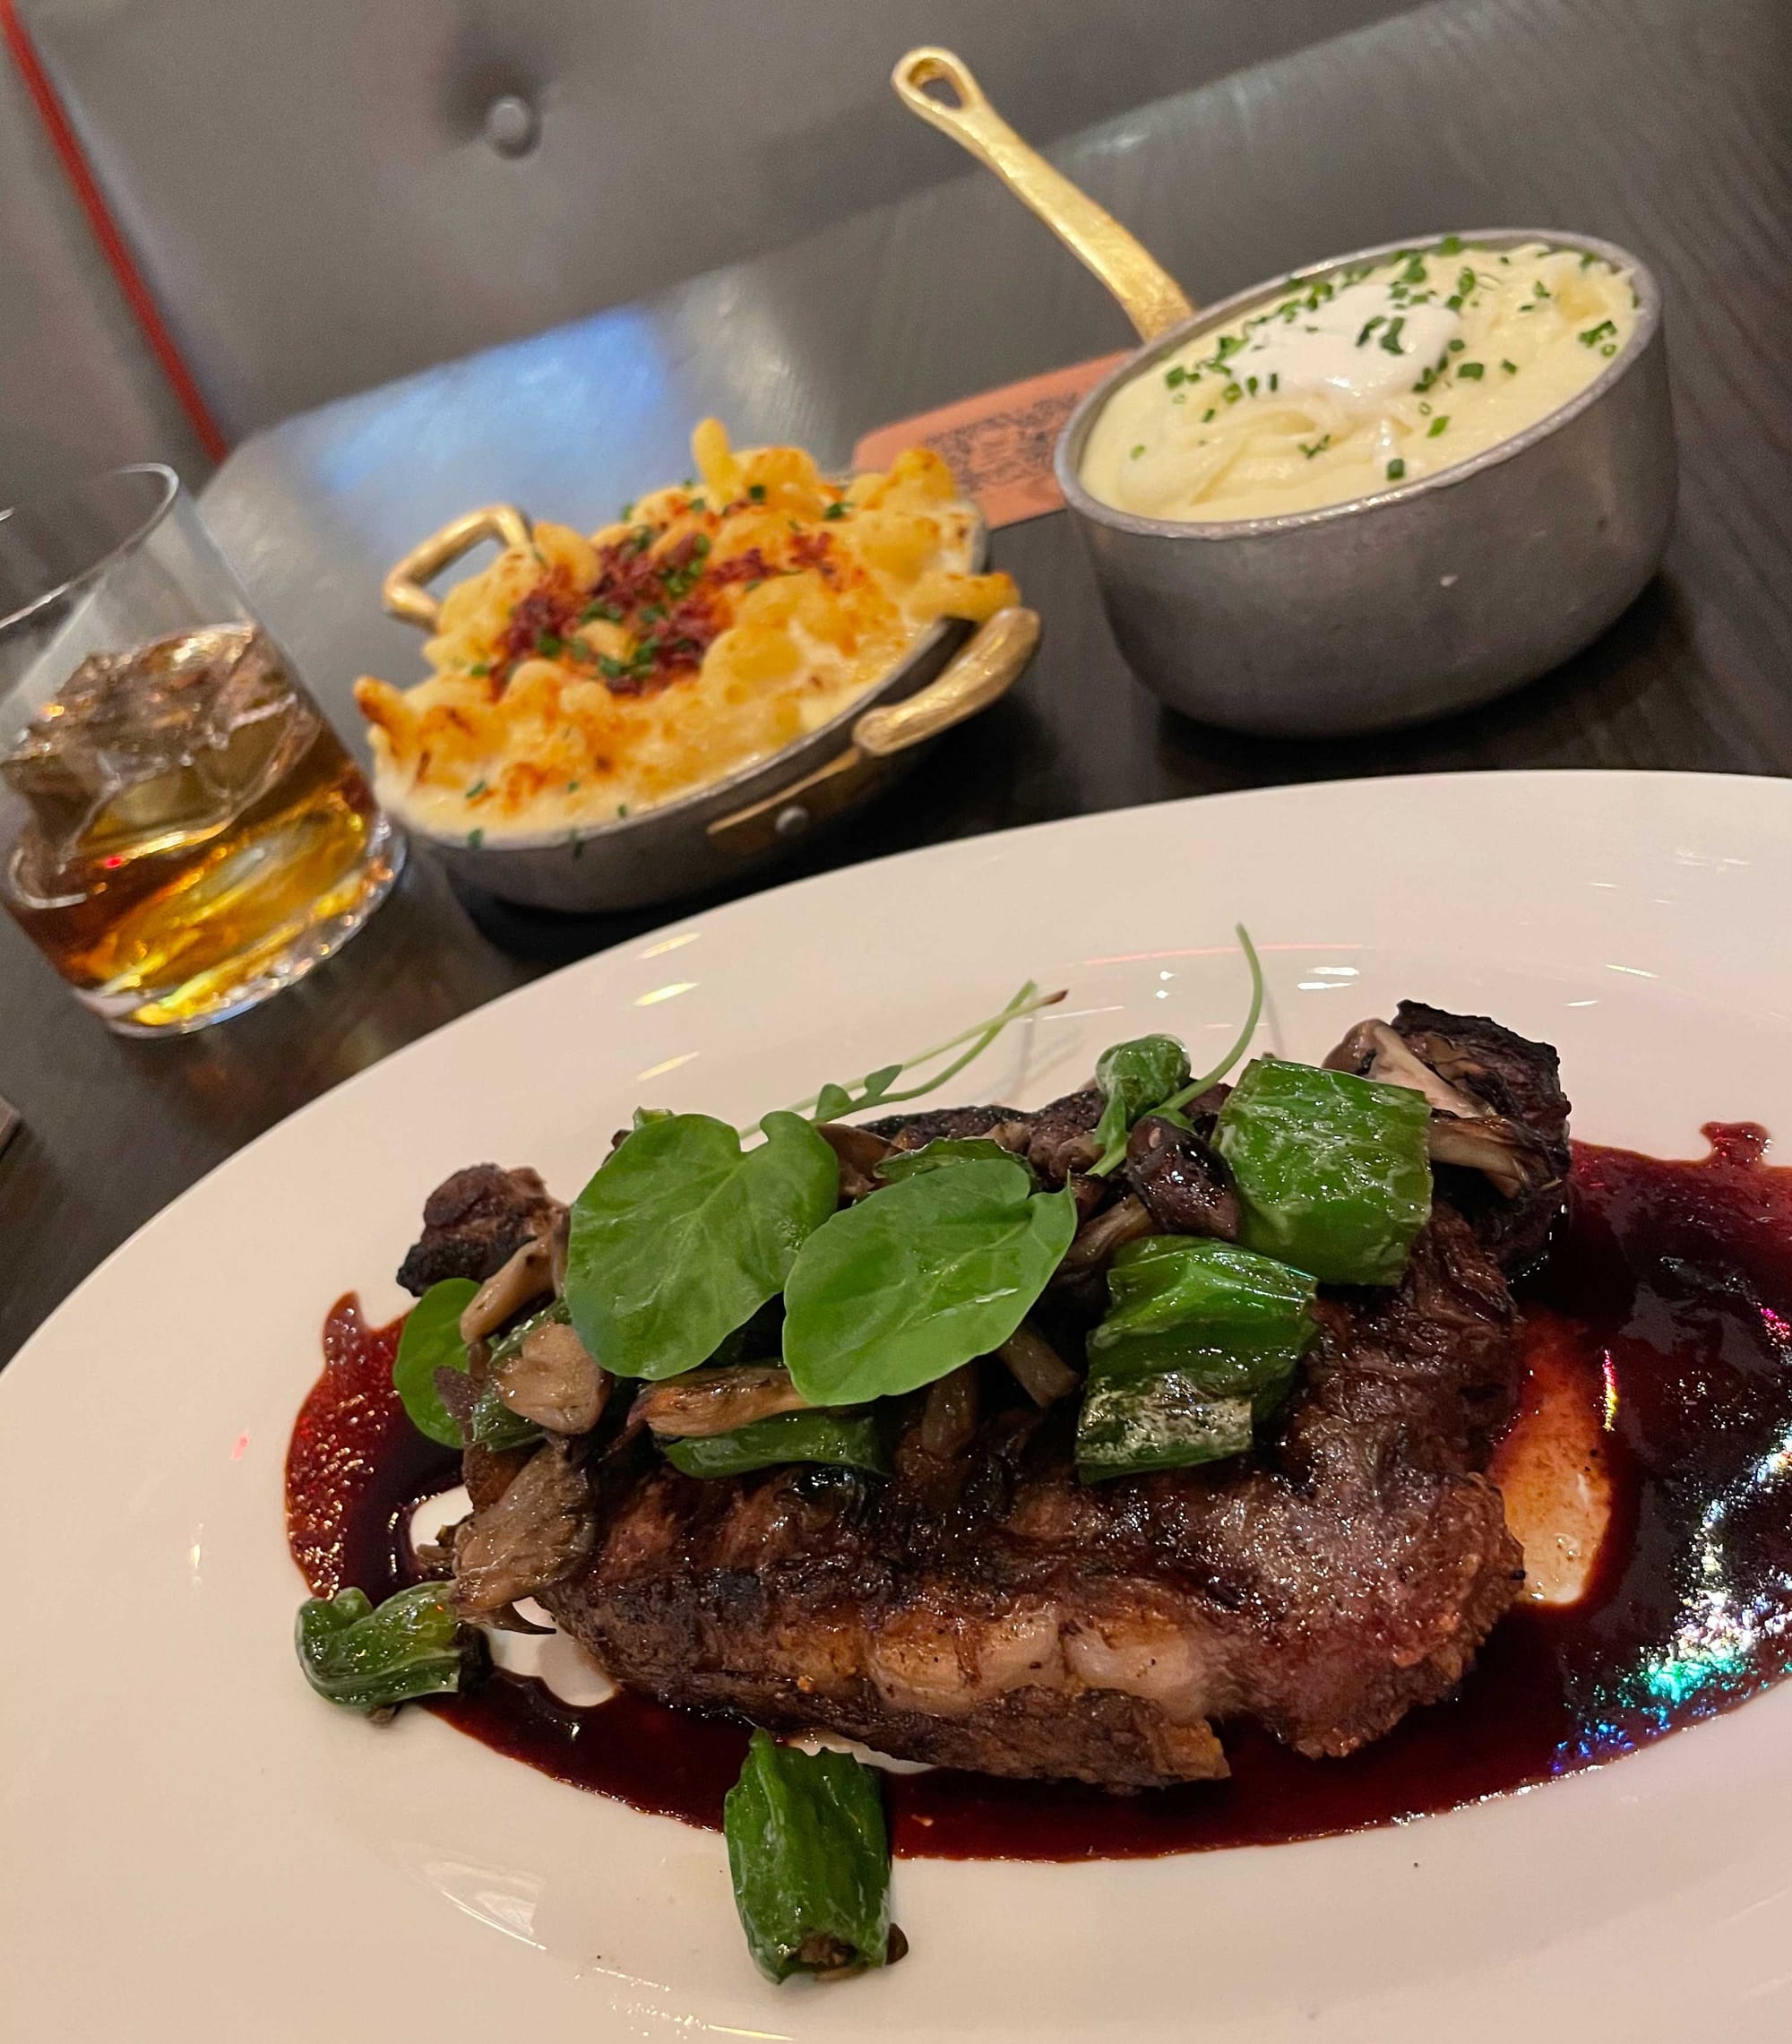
[1149,296]
[403,591]
[985,670]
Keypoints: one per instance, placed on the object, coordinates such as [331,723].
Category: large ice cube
[162,746]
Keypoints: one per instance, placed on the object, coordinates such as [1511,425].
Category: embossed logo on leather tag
[999,446]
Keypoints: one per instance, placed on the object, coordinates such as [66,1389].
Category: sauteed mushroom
[1464,1130]
[536,1534]
[1038,1368]
[525,1277]
[717,1401]
[553,1380]
[1097,1240]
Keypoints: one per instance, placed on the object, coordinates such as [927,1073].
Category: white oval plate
[197,1850]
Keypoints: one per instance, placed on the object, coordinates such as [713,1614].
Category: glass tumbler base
[276,960]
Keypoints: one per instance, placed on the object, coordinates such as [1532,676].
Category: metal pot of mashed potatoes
[688,693]
[1393,485]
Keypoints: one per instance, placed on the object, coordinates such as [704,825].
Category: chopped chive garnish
[1369,326]
[1396,469]
[836,510]
[1437,426]
[1474,371]
[1451,245]
[1610,347]
[1510,368]
[757,491]
[1137,451]
[1390,340]
[475,790]
[1457,346]
[475,839]
[480,668]
[1318,447]
[1208,414]
[1275,379]
[1604,331]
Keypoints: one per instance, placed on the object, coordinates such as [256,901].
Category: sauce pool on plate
[1669,1295]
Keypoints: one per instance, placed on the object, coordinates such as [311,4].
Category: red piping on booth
[107,233]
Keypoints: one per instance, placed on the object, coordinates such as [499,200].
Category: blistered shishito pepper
[1202,1336]
[1333,1172]
[810,1858]
[846,1440]
[366,1660]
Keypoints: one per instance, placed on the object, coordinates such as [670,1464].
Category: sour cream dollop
[1355,381]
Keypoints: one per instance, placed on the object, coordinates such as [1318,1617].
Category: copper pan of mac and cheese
[617,719]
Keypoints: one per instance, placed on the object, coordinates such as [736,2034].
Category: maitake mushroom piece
[1464,1130]
[553,1380]
[536,1534]
[717,1400]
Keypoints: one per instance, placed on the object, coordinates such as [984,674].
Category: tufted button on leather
[512,126]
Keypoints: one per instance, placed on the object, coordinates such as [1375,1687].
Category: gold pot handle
[1149,296]
[403,591]
[985,670]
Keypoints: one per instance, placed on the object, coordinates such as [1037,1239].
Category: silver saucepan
[1421,598]
[762,812]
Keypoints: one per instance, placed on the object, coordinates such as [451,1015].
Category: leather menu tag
[999,446]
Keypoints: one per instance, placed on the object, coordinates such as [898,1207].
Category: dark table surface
[1663,124]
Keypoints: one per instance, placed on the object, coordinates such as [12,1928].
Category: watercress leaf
[431,1341]
[879,1083]
[919,1278]
[1134,1077]
[683,1236]
[946,1150]
[832,1102]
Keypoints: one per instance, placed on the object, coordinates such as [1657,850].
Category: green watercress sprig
[681,1237]
[1133,1078]
[919,1276]
[878,1088]
[431,1340]
[1115,1154]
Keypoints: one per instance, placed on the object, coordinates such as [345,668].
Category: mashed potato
[1358,381]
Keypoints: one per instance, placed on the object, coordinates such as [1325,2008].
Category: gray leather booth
[323,194]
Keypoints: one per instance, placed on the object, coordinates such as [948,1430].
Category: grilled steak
[997,1614]
[985,1609]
